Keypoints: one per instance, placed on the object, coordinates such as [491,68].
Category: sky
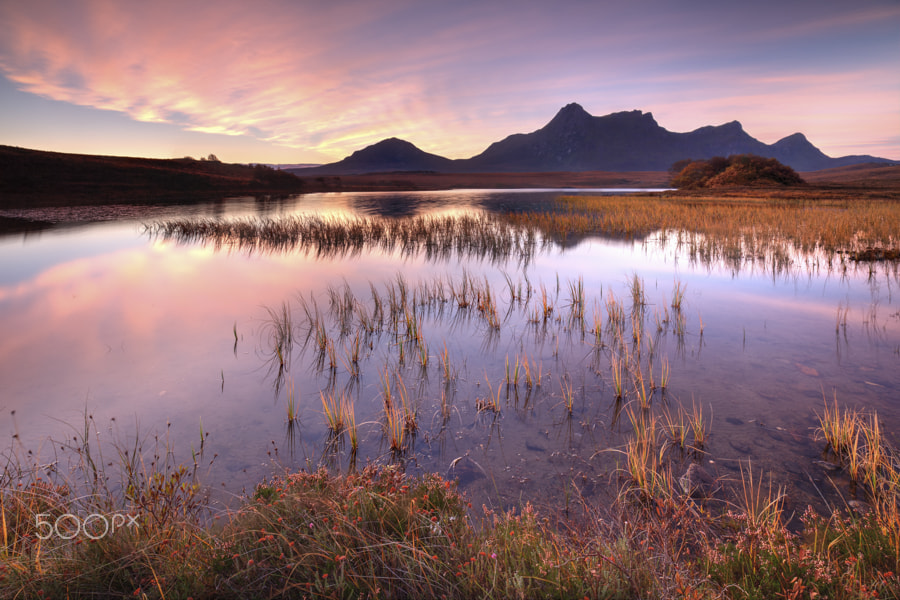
[299,81]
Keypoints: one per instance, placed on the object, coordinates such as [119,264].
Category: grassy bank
[380,533]
[749,225]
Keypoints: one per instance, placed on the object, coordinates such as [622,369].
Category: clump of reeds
[291,406]
[678,292]
[619,369]
[636,285]
[577,300]
[763,510]
[664,374]
[434,237]
[446,367]
[489,403]
[568,395]
[647,475]
[533,372]
[338,410]
[675,425]
[699,428]
[401,418]
[840,428]
[841,318]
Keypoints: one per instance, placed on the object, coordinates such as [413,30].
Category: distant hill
[387,155]
[575,140]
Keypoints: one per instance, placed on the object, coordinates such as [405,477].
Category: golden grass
[747,223]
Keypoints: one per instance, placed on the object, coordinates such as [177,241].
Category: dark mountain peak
[731,127]
[575,107]
[797,151]
[570,116]
[391,154]
[634,120]
[392,146]
[793,139]
[575,140]
[630,115]
[796,141]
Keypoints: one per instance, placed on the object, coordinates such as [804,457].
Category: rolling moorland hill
[574,140]
[29,177]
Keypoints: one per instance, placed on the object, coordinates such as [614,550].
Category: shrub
[738,169]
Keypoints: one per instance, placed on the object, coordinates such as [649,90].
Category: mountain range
[575,140]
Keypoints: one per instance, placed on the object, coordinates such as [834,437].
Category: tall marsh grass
[436,238]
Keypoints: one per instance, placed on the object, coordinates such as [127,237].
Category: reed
[678,292]
[618,373]
[533,372]
[336,410]
[449,372]
[680,324]
[875,456]
[643,457]
[422,348]
[840,428]
[637,328]
[350,423]
[446,405]
[490,403]
[577,299]
[598,326]
[841,318]
[568,395]
[640,387]
[351,357]
[676,427]
[615,315]
[699,428]
[664,373]
[292,415]
[280,327]
[636,286]
[763,509]
[332,356]
[409,413]
[546,305]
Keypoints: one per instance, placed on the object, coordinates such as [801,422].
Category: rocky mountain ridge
[575,140]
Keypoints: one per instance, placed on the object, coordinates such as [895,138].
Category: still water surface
[170,338]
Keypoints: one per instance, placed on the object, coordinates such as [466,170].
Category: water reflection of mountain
[403,205]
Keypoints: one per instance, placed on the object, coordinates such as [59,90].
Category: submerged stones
[697,482]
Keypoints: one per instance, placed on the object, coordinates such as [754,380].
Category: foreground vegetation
[380,533]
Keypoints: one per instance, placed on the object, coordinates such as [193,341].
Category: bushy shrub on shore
[736,170]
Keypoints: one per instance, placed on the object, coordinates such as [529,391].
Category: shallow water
[174,338]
